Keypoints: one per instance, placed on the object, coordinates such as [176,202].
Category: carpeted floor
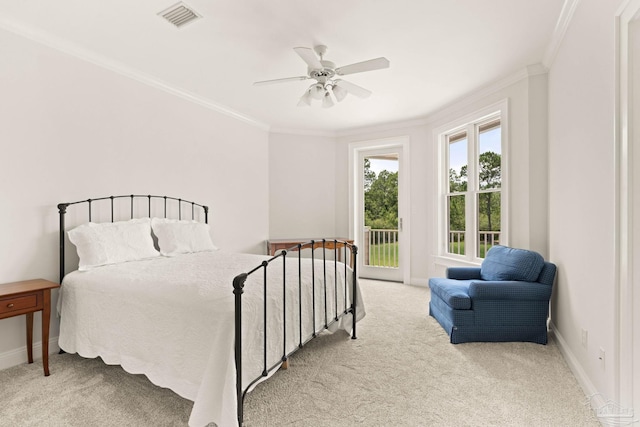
[401,371]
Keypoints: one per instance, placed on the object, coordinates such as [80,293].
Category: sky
[377,165]
[489,141]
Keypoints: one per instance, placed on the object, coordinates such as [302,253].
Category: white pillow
[113,242]
[181,236]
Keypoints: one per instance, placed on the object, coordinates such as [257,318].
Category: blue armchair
[505,299]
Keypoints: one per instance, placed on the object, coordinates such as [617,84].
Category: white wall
[70,130]
[527,156]
[582,192]
[302,186]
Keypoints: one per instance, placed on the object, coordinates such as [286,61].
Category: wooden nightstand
[274,245]
[27,297]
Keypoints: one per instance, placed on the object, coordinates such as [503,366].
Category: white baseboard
[18,356]
[606,411]
[591,393]
[419,282]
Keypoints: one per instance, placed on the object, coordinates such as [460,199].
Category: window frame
[471,124]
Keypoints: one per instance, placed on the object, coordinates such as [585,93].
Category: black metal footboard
[331,314]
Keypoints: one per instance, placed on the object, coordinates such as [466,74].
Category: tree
[457,184]
[380,198]
[490,176]
[369,175]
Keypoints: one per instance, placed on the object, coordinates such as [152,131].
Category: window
[473,166]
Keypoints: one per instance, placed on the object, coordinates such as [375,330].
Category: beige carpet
[401,371]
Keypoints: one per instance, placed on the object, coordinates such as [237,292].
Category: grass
[384,255]
[458,248]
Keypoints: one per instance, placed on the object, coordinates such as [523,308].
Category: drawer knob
[10,305]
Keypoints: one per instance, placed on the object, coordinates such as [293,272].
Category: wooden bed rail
[238,290]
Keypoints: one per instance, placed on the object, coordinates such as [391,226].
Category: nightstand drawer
[18,303]
[25,298]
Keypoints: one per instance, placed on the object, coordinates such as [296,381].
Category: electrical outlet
[585,338]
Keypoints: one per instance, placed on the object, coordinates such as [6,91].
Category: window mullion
[472,190]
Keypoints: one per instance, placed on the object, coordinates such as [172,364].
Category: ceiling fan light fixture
[305,100]
[327,100]
[339,92]
[328,88]
[316,91]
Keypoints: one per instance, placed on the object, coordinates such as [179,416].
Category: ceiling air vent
[179,14]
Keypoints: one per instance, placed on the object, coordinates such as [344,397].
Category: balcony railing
[456,242]
[486,239]
[381,247]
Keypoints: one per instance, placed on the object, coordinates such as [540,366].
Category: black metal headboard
[62,209]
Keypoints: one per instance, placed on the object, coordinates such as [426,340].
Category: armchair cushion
[509,290]
[454,292]
[504,263]
[463,273]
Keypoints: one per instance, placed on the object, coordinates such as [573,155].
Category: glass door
[379,221]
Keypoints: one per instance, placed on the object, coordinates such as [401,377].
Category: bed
[204,322]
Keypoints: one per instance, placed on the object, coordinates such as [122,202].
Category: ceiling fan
[327,86]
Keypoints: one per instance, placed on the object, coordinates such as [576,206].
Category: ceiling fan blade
[309,56]
[359,67]
[286,79]
[353,89]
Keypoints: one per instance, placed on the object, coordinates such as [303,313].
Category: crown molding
[383,127]
[479,94]
[303,132]
[566,14]
[65,46]
[461,102]
[536,69]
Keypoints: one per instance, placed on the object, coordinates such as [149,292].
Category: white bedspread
[172,319]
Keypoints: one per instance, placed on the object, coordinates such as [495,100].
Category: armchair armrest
[509,290]
[463,273]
